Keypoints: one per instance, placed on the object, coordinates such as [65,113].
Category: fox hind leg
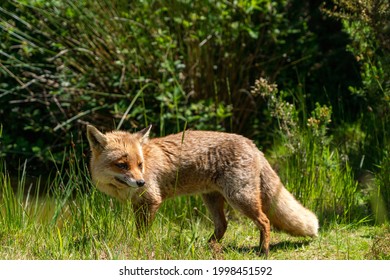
[214,202]
[249,204]
[263,224]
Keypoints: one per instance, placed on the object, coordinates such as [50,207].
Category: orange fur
[219,166]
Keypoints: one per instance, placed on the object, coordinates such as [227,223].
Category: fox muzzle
[130,182]
[140,183]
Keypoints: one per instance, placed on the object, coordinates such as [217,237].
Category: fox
[222,167]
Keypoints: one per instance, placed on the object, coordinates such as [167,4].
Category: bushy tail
[283,210]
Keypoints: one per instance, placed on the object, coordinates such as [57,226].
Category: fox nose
[140,183]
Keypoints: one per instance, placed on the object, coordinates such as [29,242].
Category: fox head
[117,162]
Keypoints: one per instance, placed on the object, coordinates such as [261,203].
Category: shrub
[115,63]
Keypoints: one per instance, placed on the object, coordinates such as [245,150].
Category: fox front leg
[144,215]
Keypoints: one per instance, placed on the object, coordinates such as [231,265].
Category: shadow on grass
[290,245]
[283,245]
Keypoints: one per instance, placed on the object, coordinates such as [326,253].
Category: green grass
[72,220]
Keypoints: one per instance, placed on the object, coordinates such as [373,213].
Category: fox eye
[122,165]
[140,165]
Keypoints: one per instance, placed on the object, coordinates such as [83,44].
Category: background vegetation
[308,82]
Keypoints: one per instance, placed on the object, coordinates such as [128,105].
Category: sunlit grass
[72,220]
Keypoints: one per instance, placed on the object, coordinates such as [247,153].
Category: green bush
[368,24]
[66,63]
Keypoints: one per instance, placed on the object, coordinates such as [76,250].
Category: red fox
[219,166]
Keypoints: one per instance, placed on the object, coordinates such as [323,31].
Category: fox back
[185,163]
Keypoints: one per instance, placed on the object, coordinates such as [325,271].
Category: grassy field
[72,220]
[309,84]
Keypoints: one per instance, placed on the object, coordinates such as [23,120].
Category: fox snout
[140,183]
[129,181]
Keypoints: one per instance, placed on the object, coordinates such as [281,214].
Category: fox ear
[96,139]
[144,134]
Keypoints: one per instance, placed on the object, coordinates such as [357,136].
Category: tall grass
[311,168]
[318,177]
[72,220]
